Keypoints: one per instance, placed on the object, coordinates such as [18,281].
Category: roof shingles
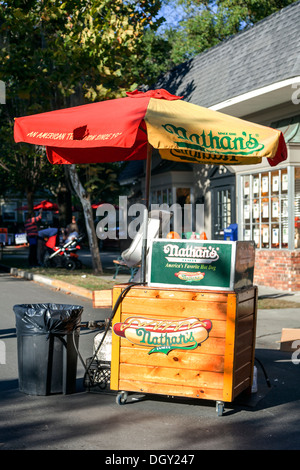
[265,53]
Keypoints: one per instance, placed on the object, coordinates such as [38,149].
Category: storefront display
[264,213]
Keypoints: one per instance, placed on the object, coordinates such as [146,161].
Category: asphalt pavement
[148,425]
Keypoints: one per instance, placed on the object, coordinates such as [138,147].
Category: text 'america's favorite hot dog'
[164,335]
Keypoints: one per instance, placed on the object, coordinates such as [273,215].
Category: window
[223,218]
[297,207]
[264,212]
[223,201]
[183,218]
[9,212]
[180,196]
[163,196]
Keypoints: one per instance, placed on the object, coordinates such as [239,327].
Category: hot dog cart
[190,332]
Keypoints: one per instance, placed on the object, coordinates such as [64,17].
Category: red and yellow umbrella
[121,129]
[128,128]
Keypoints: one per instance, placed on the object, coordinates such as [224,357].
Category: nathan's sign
[201,157]
[223,142]
[209,146]
[195,264]
[164,335]
[191,253]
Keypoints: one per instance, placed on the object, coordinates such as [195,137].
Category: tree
[56,54]
[23,166]
[107,36]
[30,69]
[155,57]
[205,23]
[101,181]
[87,186]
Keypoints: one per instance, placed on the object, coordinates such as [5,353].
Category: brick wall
[278,268]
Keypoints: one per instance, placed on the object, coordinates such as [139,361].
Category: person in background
[32,237]
[71,230]
[46,239]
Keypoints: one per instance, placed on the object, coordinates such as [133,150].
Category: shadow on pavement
[83,420]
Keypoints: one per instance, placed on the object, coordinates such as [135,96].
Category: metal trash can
[47,341]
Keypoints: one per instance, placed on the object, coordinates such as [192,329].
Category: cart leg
[220,408]
[121,398]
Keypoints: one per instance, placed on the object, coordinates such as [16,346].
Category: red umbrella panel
[46,205]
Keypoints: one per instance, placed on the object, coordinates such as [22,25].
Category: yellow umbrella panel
[183,131]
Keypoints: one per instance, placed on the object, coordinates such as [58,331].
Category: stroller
[65,256]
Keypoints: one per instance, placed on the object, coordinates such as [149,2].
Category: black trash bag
[40,319]
[47,342]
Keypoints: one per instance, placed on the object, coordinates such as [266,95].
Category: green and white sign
[201,264]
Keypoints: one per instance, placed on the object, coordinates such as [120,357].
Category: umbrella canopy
[46,205]
[121,129]
[128,128]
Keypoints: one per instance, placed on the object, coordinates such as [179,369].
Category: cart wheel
[121,398]
[70,264]
[219,408]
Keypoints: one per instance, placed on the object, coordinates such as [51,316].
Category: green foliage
[25,168]
[154,56]
[208,22]
[55,54]
[107,36]
[101,181]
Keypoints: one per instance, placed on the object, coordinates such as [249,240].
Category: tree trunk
[88,216]
[64,202]
[30,202]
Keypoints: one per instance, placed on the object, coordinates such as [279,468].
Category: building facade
[254,75]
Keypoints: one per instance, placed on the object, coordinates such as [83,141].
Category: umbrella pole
[148,175]
[146,212]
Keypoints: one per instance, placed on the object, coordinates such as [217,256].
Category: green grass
[85,278]
[269,303]
[80,277]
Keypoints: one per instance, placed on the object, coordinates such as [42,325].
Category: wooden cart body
[219,368]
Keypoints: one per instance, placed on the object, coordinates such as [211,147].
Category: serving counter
[185,342]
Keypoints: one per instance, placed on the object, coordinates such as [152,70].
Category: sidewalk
[265,291]
[93,421]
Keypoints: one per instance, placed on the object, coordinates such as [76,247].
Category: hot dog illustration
[164,335]
[190,277]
